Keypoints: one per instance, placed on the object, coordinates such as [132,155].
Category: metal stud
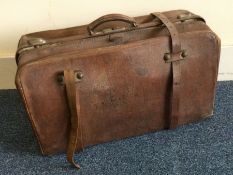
[60,78]
[79,75]
[167,56]
[184,53]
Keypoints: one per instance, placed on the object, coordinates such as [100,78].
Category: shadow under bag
[117,77]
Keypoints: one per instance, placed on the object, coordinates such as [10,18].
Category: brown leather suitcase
[117,77]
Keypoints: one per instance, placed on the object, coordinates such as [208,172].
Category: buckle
[171,57]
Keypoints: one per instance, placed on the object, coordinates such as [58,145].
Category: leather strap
[155,23]
[176,46]
[75,137]
[176,69]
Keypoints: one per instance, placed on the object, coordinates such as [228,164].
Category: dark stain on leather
[142,71]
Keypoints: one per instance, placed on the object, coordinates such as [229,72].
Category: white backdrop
[18,17]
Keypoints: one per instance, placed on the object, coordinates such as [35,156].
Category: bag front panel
[125,91]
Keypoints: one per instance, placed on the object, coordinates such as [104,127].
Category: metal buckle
[170,57]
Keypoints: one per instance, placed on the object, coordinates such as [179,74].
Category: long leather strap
[75,137]
[176,69]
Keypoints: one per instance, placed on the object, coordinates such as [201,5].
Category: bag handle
[108,18]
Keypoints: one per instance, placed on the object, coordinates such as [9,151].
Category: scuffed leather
[127,85]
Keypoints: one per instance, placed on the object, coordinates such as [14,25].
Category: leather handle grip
[108,18]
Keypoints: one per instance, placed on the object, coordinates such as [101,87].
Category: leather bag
[117,77]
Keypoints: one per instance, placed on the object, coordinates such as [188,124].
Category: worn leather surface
[127,85]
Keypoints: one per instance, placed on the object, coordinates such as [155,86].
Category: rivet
[167,56]
[79,75]
[60,78]
[184,53]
